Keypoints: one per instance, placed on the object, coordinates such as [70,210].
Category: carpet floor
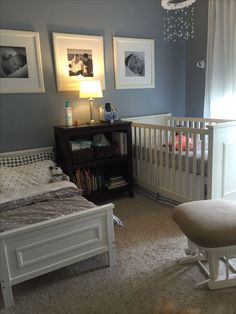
[148,248]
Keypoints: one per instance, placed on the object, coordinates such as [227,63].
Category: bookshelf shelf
[95,163]
[93,174]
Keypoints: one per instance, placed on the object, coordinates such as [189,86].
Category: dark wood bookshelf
[116,164]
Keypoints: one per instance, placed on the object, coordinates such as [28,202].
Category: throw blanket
[54,201]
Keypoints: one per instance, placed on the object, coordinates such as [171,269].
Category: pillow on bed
[15,178]
[15,161]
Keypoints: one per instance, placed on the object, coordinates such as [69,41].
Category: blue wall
[27,120]
[196,49]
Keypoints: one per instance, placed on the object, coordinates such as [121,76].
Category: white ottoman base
[212,256]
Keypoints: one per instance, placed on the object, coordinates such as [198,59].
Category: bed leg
[7,294]
[111,239]
[112,255]
[5,277]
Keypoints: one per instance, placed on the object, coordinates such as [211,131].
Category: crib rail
[193,122]
[171,160]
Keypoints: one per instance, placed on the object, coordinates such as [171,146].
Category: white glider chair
[210,227]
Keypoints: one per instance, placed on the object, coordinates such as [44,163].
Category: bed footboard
[37,249]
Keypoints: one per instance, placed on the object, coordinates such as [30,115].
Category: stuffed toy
[57,175]
[183,142]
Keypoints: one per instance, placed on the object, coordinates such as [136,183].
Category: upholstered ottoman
[210,227]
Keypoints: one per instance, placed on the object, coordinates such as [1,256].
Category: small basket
[83,154]
[103,151]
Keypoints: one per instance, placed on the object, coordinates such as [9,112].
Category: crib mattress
[182,163]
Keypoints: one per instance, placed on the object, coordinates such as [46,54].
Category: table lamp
[91,90]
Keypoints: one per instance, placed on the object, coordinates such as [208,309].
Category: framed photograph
[20,62]
[134,62]
[78,57]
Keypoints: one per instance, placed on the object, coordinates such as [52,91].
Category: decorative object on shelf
[108,113]
[100,140]
[91,90]
[179,22]
[78,58]
[134,63]
[21,68]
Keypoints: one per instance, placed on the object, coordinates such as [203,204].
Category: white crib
[202,168]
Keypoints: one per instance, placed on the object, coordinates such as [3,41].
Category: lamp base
[92,122]
[91,104]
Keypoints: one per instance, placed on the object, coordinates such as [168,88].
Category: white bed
[32,249]
[204,168]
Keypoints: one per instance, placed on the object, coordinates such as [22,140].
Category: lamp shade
[90,89]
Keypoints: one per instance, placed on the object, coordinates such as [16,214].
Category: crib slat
[145,155]
[135,152]
[140,154]
[150,151]
[187,172]
[194,167]
[180,183]
[173,169]
[202,174]
[155,165]
[160,158]
[166,158]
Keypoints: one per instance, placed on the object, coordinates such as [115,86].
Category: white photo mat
[122,47]
[29,42]
[63,43]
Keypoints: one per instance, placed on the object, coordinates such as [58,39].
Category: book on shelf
[89,180]
[120,138]
[115,181]
[114,178]
[110,187]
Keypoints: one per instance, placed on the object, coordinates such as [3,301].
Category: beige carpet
[147,250]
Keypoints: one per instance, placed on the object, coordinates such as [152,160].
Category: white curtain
[220,92]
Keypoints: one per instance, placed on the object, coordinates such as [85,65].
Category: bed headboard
[25,157]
